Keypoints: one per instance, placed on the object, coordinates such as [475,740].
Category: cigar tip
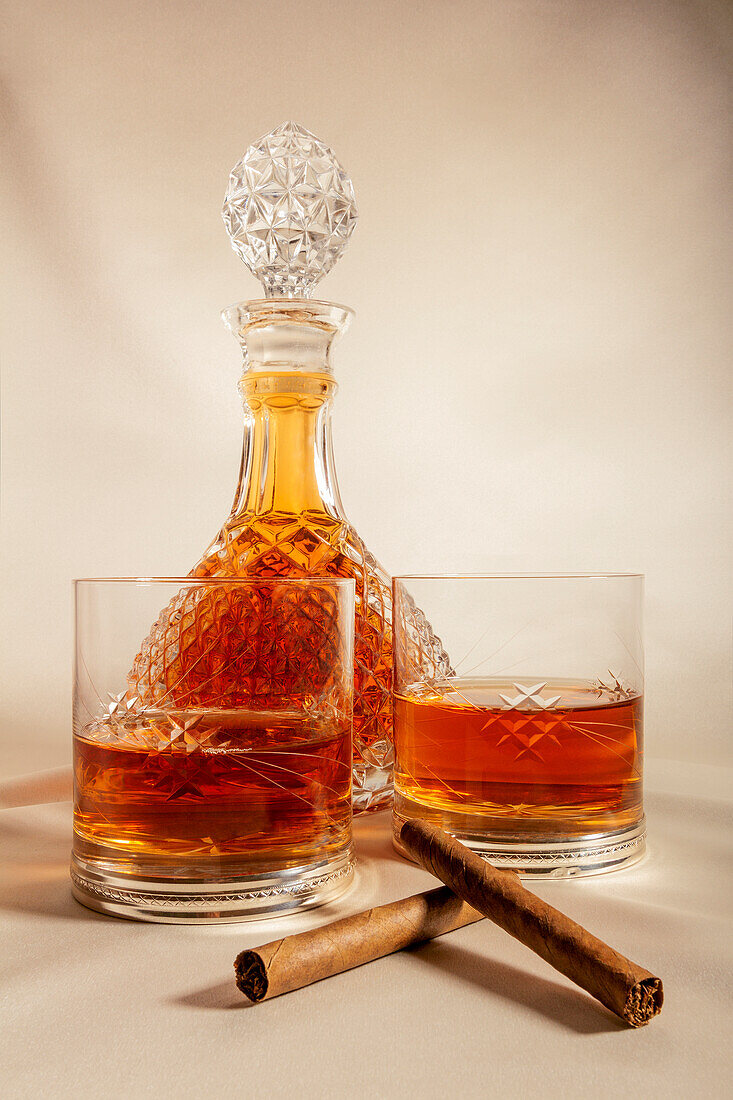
[644,1001]
[251,975]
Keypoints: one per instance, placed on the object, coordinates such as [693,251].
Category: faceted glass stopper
[289,210]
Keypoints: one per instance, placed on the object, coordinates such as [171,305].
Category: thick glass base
[538,856]
[187,901]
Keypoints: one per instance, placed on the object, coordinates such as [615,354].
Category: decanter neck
[287,334]
[287,390]
[287,457]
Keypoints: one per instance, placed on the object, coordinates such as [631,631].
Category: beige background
[538,376]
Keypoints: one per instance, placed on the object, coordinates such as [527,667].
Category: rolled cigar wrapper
[296,961]
[628,990]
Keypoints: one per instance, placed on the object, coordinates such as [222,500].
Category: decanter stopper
[289,210]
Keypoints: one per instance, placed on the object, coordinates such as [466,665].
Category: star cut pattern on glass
[529,698]
[527,728]
[529,732]
[289,210]
[614,690]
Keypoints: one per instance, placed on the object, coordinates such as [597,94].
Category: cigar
[628,990]
[296,961]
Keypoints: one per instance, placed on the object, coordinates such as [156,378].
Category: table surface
[93,1006]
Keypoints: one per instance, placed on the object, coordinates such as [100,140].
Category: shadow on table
[35,867]
[222,996]
[564,1007]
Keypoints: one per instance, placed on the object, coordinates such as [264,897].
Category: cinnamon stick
[296,961]
[628,990]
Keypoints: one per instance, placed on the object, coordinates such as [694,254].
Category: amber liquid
[468,759]
[220,794]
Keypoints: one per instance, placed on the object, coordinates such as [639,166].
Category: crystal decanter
[290,211]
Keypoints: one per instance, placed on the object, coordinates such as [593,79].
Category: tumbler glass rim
[336,581]
[517,576]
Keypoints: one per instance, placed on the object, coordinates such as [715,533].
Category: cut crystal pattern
[614,689]
[528,734]
[178,642]
[526,859]
[289,210]
[219,646]
[529,698]
[188,901]
[422,658]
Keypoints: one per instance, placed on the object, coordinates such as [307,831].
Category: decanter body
[288,520]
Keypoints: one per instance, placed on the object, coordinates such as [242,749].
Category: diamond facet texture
[289,210]
[224,647]
[262,547]
[422,657]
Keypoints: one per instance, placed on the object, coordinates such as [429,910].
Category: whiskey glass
[529,749]
[216,784]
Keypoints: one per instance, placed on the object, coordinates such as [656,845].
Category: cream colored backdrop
[538,376]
